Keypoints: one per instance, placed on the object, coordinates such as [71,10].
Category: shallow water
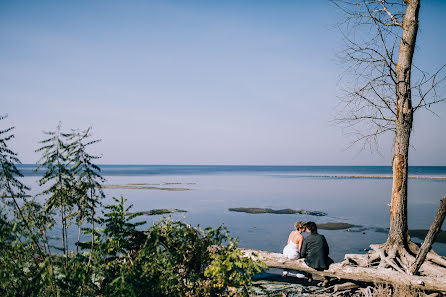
[359,201]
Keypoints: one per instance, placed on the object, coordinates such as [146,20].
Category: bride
[292,249]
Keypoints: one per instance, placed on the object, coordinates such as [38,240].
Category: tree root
[398,258]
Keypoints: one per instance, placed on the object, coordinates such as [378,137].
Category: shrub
[180,260]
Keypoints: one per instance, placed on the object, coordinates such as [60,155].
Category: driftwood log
[355,273]
[430,237]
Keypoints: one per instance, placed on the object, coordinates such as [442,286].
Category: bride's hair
[299,225]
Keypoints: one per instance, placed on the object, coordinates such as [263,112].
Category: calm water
[332,189]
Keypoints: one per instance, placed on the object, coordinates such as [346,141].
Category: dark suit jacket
[315,251]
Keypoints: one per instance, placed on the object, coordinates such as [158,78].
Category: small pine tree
[11,188]
[88,180]
[21,272]
[58,176]
[119,232]
[10,185]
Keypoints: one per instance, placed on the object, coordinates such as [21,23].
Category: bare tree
[384,91]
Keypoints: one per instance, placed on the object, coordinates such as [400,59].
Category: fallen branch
[354,273]
[430,237]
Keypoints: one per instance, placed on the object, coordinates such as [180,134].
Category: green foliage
[120,233]
[22,260]
[58,177]
[171,258]
[119,236]
[87,179]
[75,278]
[179,260]
[22,273]
[10,184]
[57,173]
[73,179]
[229,269]
[11,188]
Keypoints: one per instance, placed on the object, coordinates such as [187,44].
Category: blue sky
[194,82]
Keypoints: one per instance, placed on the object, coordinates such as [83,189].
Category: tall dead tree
[385,91]
[403,124]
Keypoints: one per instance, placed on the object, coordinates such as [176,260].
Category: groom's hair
[312,227]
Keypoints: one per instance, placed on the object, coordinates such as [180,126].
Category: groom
[315,250]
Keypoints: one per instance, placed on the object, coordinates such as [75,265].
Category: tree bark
[346,286]
[403,126]
[430,237]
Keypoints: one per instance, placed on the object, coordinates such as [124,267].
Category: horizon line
[253,165]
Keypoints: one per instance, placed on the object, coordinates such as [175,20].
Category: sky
[195,82]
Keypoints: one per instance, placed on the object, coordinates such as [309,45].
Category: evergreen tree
[11,188]
[120,234]
[10,185]
[58,176]
[88,180]
[21,272]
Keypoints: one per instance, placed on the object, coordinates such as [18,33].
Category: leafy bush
[179,260]
[170,259]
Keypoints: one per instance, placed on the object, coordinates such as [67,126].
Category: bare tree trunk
[92,229]
[62,211]
[78,237]
[404,118]
[92,241]
[430,237]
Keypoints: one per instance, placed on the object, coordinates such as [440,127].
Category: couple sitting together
[313,248]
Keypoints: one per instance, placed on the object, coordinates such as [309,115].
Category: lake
[353,194]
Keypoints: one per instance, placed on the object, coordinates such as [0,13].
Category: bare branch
[371,31]
[395,21]
[429,96]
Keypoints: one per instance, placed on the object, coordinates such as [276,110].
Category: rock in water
[335,226]
[256,210]
[157,211]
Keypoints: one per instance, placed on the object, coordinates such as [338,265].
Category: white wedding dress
[290,251]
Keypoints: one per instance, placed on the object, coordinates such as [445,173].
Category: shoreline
[365,176]
[138,187]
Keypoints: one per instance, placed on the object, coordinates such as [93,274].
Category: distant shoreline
[137,187]
[330,172]
[372,176]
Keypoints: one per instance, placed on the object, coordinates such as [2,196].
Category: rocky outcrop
[256,210]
